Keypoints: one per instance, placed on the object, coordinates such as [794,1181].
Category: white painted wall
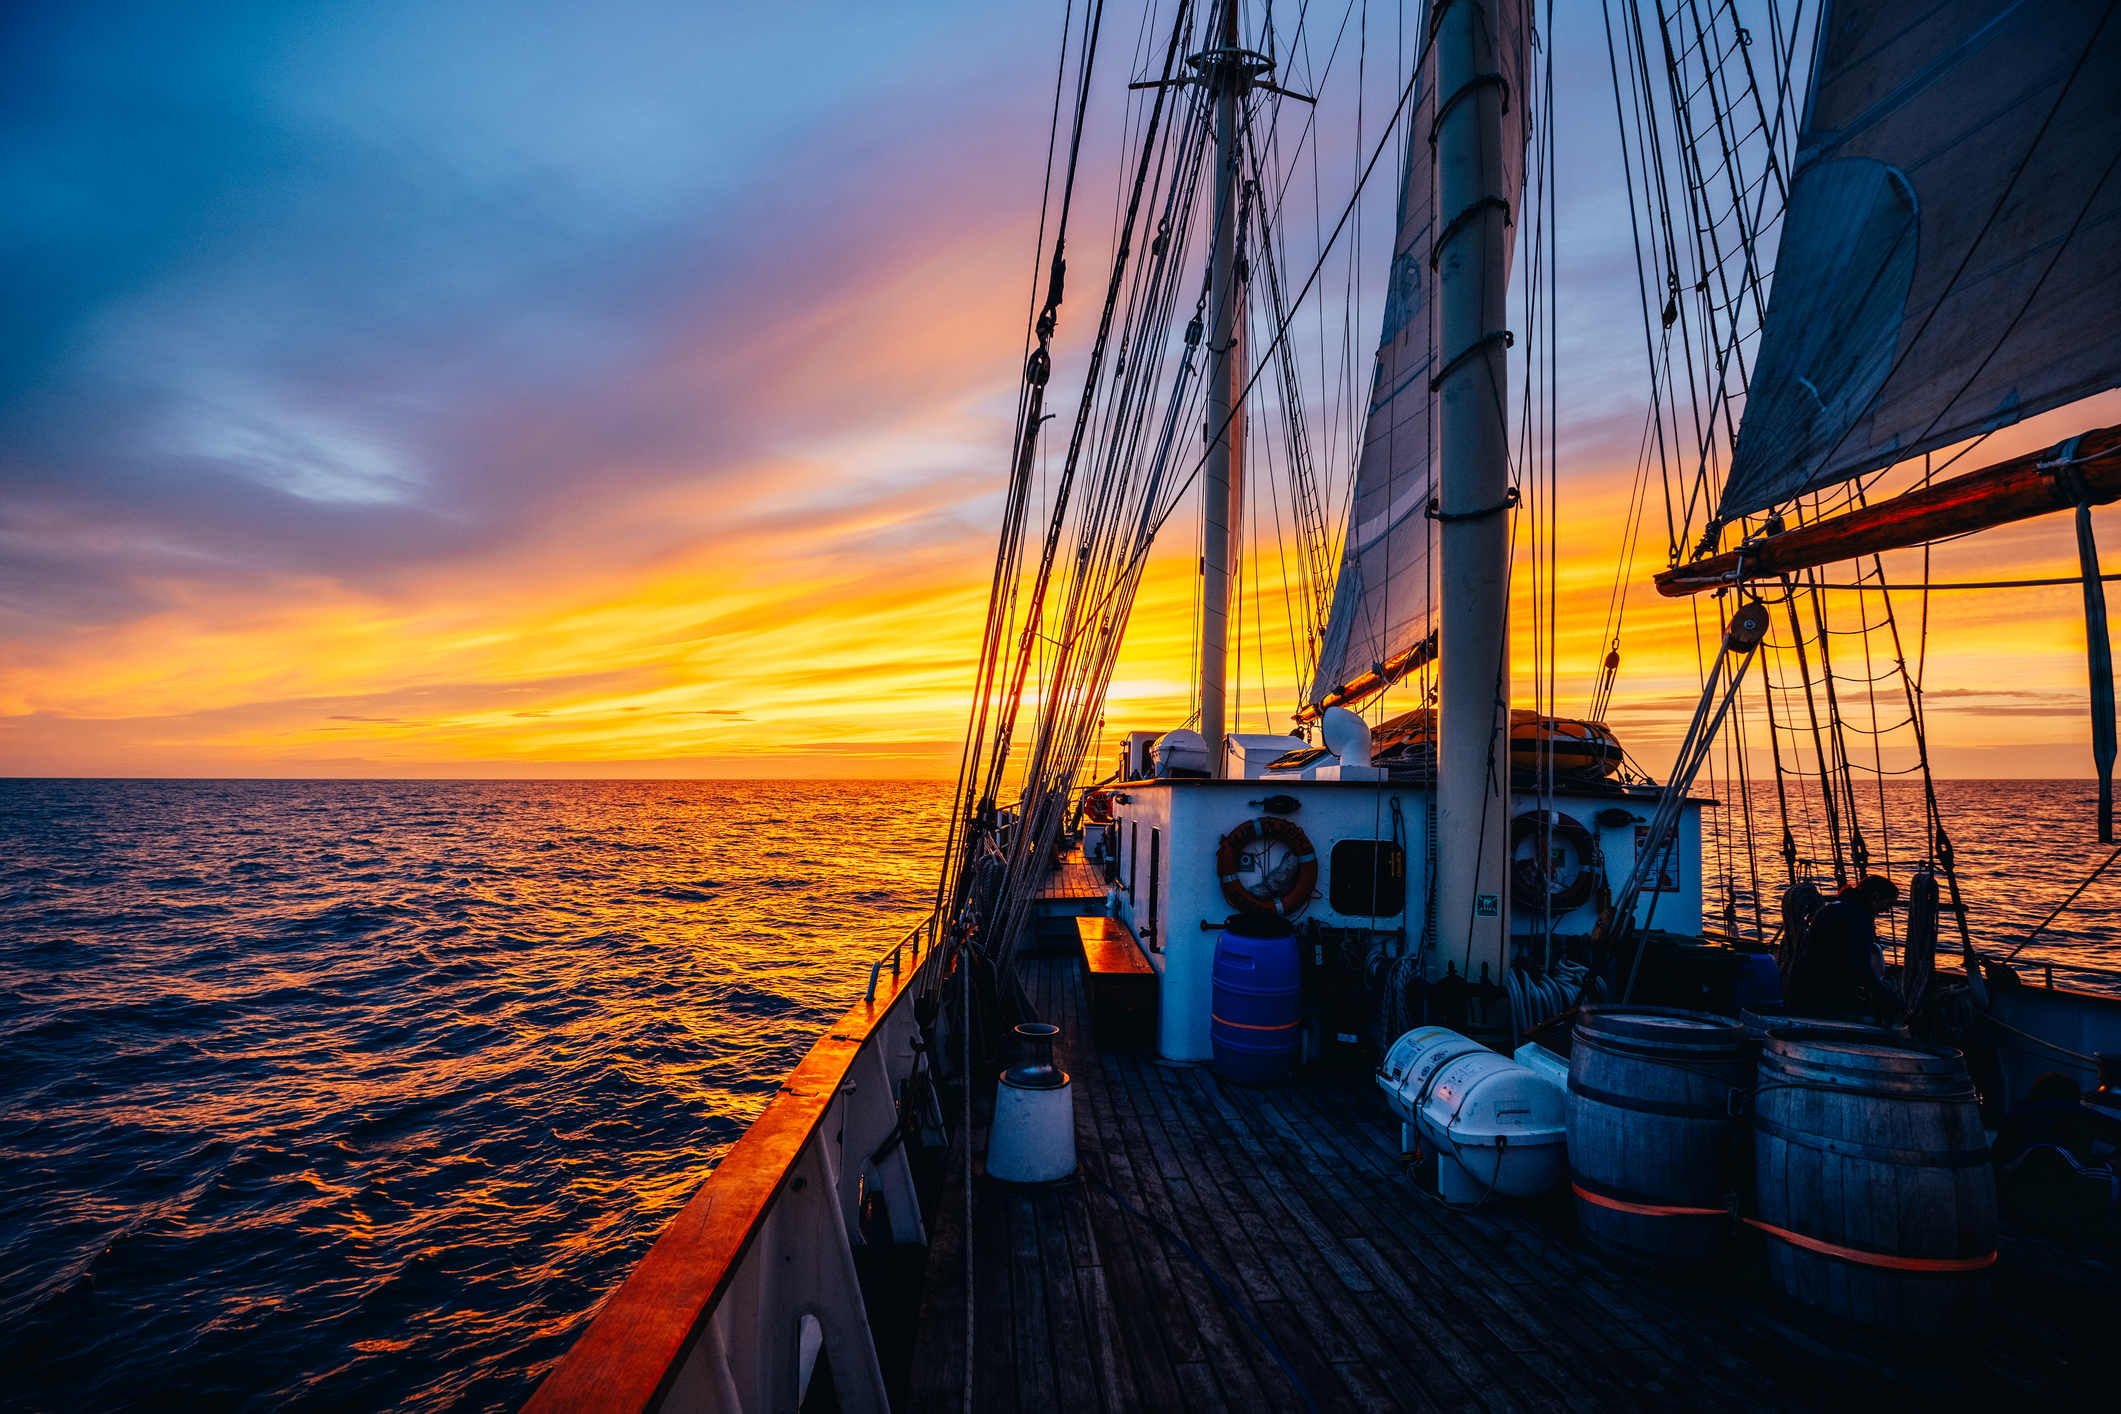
[1191,816]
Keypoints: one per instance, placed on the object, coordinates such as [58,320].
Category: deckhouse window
[1156,850]
[1368,878]
[1134,856]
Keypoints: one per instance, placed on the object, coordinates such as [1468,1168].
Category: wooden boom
[2055,479]
[1362,689]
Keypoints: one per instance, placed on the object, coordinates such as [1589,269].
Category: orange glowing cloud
[720,497]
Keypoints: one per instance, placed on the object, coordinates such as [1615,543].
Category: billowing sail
[1951,251]
[1382,595]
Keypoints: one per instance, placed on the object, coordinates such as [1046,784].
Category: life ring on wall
[1268,863]
[1533,888]
[1097,806]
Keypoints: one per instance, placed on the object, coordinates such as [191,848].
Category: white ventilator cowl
[1346,735]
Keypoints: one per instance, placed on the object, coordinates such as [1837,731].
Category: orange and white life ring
[1536,887]
[1268,864]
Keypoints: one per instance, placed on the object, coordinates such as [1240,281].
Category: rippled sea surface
[2019,848]
[360,1095]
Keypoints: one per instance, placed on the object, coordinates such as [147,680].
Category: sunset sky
[551,389]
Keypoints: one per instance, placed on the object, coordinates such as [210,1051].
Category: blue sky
[424,387]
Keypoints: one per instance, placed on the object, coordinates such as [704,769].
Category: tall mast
[1473,548]
[1222,487]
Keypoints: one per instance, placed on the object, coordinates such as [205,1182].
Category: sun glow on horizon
[473,445]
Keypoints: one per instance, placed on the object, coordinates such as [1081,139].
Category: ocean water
[2019,849]
[360,1095]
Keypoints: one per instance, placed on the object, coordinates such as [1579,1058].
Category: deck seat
[1123,983]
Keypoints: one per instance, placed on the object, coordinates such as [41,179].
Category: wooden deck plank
[1199,1386]
[1455,1379]
[1044,1275]
[1158,1195]
[1484,1274]
[1298,1202]
[1293,1339]
[939,1339]
[1074,1370]
[1072,879]
[1139,1365]
[1244,1150]
[1513,1358]
[1031,1320]
[1242,1214]
[1320,1294]
[1610,1322]
[1220,1331]
[995,1333]
[1599,1352]
[1108,1350]
[1244,1371]
[1290,1259]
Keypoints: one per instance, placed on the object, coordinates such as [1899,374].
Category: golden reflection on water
[363,1093]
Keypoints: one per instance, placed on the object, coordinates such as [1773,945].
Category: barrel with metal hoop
[1759,1021]
[1871,1176]
[1655,1096]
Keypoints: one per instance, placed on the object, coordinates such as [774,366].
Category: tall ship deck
[1431,1050]
[1222,1246]
[1232,1248]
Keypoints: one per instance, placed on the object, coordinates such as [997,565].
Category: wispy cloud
[544,388]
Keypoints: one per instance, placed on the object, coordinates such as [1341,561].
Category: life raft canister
[1534,887]
[1573,747]
[1267,864]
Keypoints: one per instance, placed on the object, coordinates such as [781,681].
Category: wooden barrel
[1757,1024]
[1654,1095]
[1871,1178]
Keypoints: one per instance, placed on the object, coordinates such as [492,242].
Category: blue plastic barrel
[1257,1001]
[1759,983]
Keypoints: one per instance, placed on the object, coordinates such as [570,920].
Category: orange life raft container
[1576,749]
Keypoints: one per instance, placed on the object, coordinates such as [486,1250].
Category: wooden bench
[1123,983]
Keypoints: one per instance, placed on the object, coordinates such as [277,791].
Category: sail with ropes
[1950,258]
[1382,626]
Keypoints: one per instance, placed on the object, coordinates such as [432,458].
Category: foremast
[1471,255]
[1229,70]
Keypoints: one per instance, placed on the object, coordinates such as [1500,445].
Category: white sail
[1382,601]
[1951,251]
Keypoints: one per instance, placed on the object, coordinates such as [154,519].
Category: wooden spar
[1360,690]
[2019,489]
[2099,653]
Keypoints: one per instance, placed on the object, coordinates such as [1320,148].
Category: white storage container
[1541,1061]
[1498,1127]
[1181,752]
